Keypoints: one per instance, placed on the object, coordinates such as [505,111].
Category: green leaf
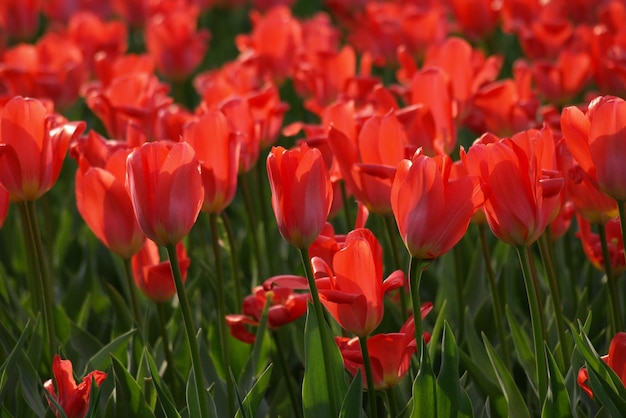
[315,400]
[254,397]
[100,360]
[515,402]
[452,401]
[247,376]
[352,405]
[124,315]
[424,387]
[163,395]
[129,399]
[523,349]
[53,401]
[9,364]
[433,345]
[193,403]
[557,403]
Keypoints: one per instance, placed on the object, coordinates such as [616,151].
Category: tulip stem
[615,317]
[416,268]
[32,270]
[371,390]
[234,259]
[498,312]
[269,256]
[41,271]
[170,370]
[391,402]
[221,312]
[133,293]
[546,256]
[282,360]
[321,320]
[389,223]
[458,270]
[247,198]
[192,343]
[536,320]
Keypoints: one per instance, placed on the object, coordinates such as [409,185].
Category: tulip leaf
[163,395]
[124,314]
[193,402]
[315,392]
[260,343]
[515,402]
[352,406]
[557,402]
[437,330]
[100,360]
[9,364]
[424,387]
[254,397]
[129,398]
[452,400]
[31,388]
[521,343]
[59,410]
[602,394]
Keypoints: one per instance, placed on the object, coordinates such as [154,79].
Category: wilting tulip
[353,290]
[165,186]
[432,210]
[34,145]
[154,277]
[524,189]
[72,398]
[596,140]
[285,306]
[390,354]
[217,150]
[103,202]
[616,359]
[301,193]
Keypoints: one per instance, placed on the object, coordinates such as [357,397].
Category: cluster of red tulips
[141,143]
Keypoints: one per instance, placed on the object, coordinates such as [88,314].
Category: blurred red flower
[616,359]
[593,247]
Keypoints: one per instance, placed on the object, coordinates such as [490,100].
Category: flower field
[215,208]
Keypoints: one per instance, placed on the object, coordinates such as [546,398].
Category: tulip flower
[353,289]
[165,186]
[301,193]
[390,354]
[616,359]
[153,277]
[218,152]
[285,306]
[34,144]
[73,398]
[593,247]
[596,140]
[103,202]
[432,210]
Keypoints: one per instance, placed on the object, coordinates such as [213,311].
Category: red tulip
[285,306]
[390,354]
[616,359]
[218,152]
[593,247]
[432,210]
[72,398]
[34,144]
[301,193]
[353,290]
[153,277]
[165,186]
[596,140]
[523,185]
[104,204]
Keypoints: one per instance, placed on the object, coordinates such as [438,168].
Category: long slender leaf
[352,405]
[254,397]
[164,398]
[452,401]
[424,387]
[557,403]
[129,397]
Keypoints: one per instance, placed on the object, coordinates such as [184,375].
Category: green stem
[346,207]
[569,260]
[498,312]
[234,259]
[247,198]
[371,390]
[458,270]
[260,187]
[319,313]
[536,320]
[616,322]
[293,392]
[32,268]
[170,370]
[134,300]
[545,249]
[390,224]
[391,402]
[45,281]
[416,268]
[190,328]
[221,311]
